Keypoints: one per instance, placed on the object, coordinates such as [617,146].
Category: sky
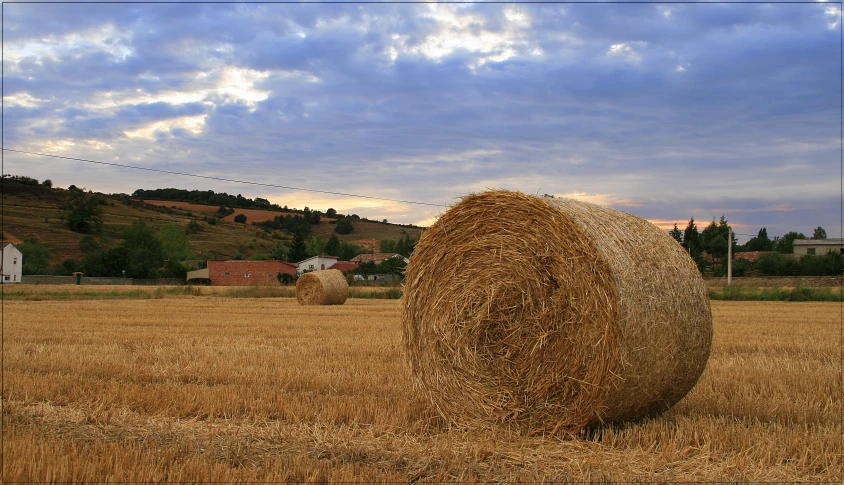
[666,111]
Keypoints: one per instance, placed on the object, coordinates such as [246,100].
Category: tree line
[708,248]
[141,254]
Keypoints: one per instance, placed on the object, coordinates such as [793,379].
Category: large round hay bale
[549,315]
[326,287]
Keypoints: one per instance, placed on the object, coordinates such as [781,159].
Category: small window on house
[226,273]
[269,276]
[246,275]
[310,266]
[15,261]
[810,250]
[322,266]
[6,278]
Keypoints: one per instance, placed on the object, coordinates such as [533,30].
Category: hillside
[367,234]
[35,211]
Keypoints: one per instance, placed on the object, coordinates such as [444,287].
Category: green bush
[800,293]
[776,264]
[344,226]
[741,267]
[36,257]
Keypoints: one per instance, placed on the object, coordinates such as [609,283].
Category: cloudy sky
[667,111]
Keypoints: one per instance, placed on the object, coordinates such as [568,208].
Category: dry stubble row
[205,388]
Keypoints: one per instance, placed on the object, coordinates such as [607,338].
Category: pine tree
[676,234]
[761,242]
[332,247]
[691,239]
[298,250]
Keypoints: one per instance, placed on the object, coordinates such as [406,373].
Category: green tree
[785,244]
[176,270]
[691,239]
[279,253]
[405,245]
[367,268]
[349,251]
[315,246]
[82,212]
[36,257]
[174,242]
[67,267]
[47,184]
[101,262]
[298,251]
[332,247]
[144,253]
[716,238]
[676,234]
[820,233]
[760,243]
[388,246]
[88,244]
[331,213]
[392,266]
[344,226]
[241,218]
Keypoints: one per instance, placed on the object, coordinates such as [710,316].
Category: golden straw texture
[550,315]
[327,287]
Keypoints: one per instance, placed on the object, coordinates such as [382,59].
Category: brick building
[242,273]
[345,266]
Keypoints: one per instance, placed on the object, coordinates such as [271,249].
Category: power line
[222,179]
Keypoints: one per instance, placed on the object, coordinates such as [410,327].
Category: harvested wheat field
[209,388]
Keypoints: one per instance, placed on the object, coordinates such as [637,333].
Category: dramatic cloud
[668,111]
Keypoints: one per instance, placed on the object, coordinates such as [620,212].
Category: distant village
[138,252]
[237,273]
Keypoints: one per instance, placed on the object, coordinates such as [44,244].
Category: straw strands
[326,287]
[550,315]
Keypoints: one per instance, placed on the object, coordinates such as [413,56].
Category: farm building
[316,263]
[818,246]
[377,258]
[241,273]
[751,256]
[10,263]
[345,266]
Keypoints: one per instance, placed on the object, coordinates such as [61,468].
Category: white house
[11,263]
[315,263]
[818,246]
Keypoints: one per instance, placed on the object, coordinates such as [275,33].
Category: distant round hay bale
[326,287]
[549,315]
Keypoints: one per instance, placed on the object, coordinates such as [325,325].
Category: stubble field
[208,388]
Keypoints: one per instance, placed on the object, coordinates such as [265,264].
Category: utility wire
[246,182]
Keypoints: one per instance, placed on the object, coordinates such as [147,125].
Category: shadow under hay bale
[326,287]
[549,315]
